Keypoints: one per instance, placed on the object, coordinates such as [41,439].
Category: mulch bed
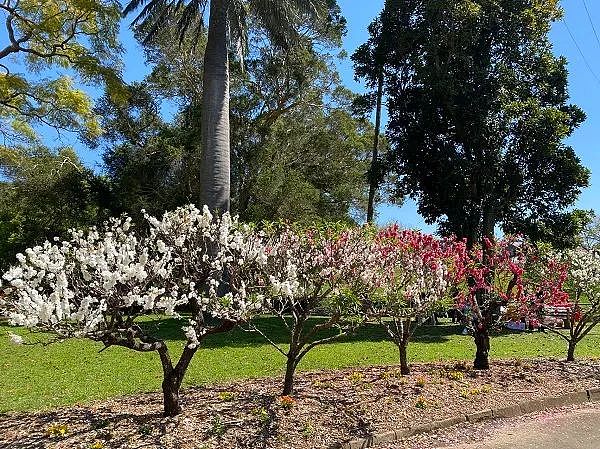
[328,407]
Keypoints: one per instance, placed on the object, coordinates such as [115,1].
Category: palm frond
[156,14]
[281,18]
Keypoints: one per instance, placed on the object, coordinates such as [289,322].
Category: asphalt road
[576,429]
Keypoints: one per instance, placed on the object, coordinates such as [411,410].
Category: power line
[580,51]
[591,21]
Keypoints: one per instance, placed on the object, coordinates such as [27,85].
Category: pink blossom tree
[501,281]
[577,276]
[413,282]
[309,273]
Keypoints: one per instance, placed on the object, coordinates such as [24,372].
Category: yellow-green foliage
[46,36]
[57,430]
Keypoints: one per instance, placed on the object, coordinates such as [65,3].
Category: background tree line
[477,101]
[298,151]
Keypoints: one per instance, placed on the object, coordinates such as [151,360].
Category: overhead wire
[587,11]
[585,60]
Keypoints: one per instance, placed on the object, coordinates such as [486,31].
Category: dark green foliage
[478,115]
[149,163]
[297,151]
[44,194]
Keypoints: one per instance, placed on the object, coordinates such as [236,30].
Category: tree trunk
[373,181]
[290,368]
[482,342]
[173,377]
[404,368]
[571,351]
[215,175]
[170,386]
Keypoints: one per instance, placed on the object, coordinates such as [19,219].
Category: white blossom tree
[312,273]
[578,275]
[101,282]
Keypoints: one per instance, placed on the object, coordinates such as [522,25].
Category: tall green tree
[227,26]
[289,115]
[47,37]
[479,112]
[370,64]
[148,161]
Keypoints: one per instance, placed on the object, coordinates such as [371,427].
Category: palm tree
[227,25]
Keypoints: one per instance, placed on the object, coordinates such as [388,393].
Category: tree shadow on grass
[170,329]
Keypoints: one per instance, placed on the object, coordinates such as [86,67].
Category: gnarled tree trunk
[290,368]
[571,351]
[170,387]
[173,377]
[404,368]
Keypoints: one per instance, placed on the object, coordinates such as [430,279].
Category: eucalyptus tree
[371,61]
[227,30]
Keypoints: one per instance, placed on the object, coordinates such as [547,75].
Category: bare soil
[328,407]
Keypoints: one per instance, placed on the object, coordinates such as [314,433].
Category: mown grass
[40,377]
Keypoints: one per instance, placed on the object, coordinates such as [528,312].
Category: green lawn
[38,377]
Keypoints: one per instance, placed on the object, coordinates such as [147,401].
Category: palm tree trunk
[215,166]
[372,173]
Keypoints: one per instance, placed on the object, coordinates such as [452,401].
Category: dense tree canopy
[55,34]
[43,194]
[479,113]
[297,151]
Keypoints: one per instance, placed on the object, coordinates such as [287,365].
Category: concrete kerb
[523,408]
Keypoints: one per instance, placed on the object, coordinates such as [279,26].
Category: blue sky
[584,86]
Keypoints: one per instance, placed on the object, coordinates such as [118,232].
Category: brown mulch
[329,407]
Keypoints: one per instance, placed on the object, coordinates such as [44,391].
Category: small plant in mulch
[57,430]
[308,429]
[261,413]
[97,445]
[475,391]
[420,382]
[322,384]
[226,396]
[287,402]
[356,377]
[421,403]
[455,375]
[217,427]
[389,374]
[145,430]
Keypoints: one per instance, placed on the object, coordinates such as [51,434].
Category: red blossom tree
[504,280]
